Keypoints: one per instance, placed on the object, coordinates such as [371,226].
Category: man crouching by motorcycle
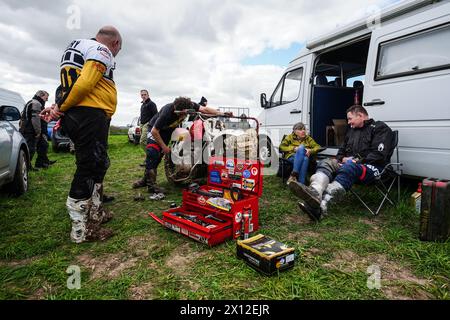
[160,130]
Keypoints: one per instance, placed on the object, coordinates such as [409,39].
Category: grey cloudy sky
[173,47]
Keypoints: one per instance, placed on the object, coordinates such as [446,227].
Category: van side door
[407,86]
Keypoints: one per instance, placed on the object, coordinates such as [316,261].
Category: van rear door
[407,81]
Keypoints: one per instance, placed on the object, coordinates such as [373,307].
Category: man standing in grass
[88,102]
[148,110]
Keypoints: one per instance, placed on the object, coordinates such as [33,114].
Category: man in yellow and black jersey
[89,100]
[160,130]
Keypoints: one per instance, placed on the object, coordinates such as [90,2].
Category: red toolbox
[225,208]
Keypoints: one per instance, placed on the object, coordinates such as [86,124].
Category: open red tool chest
[225,208]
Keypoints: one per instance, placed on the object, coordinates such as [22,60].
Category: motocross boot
[143,182]
[151,182]
[333,192]
[84,228]
[98,212]
[312,194]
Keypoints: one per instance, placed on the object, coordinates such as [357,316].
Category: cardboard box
[265,254]
[340,129]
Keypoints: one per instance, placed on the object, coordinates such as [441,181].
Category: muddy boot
[292,178]
[94,232]
[312,194]
[334,192]
[78,212]
[141,183]
[98,213]
[151,182]
[315,214]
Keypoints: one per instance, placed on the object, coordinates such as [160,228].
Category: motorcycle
[207,136]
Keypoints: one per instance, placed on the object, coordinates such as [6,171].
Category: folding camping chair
[390,174]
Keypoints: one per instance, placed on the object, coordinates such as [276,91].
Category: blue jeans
[300,163]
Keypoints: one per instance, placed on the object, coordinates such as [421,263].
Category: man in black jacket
[361,158]
[148,110]
[34,129]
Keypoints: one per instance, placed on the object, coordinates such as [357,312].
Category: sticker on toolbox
[238,217]
[201,200]
[240,166]
[214,176]
[248,184]
[224,174]
[237,185]
[173,227]
[198,237]
[255,171]
[290,258]
[235,177]
[280,263]
[230,164]
[219,163]
[246,174]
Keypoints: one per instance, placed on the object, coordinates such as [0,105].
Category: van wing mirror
[263,100]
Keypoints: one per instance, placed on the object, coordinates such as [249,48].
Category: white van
[12,99]
[399,69]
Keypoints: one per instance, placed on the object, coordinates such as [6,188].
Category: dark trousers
[31,140]
[42,150]
[88,129]
[154,155]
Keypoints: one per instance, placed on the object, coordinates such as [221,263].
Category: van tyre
[20,183]
[267,154]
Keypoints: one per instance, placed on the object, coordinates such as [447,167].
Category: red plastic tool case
[222,173]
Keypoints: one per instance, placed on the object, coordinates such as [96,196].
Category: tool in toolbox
[227,207]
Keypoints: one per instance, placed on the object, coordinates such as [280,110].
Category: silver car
[14,154]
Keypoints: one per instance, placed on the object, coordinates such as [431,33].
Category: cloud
[173,48]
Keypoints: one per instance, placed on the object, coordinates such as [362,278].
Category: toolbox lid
[265,247]
[227,173]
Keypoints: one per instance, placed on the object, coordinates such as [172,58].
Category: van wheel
[268,155]
[20,182]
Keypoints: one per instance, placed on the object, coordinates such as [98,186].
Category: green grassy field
[146,261]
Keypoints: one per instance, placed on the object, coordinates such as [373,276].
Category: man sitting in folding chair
[364,154]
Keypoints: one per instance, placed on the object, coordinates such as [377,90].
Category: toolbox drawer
[197,226]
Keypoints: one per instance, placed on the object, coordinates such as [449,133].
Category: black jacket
[30,122]
[370,144]
[148,110]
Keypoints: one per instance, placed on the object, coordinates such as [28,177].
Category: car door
[6,130]
[407,81]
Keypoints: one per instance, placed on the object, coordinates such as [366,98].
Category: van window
[418,53]
[288,89]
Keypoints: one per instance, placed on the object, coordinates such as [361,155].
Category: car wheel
[20,182]
[136,140]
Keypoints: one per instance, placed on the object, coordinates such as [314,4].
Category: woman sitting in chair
[297,148]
